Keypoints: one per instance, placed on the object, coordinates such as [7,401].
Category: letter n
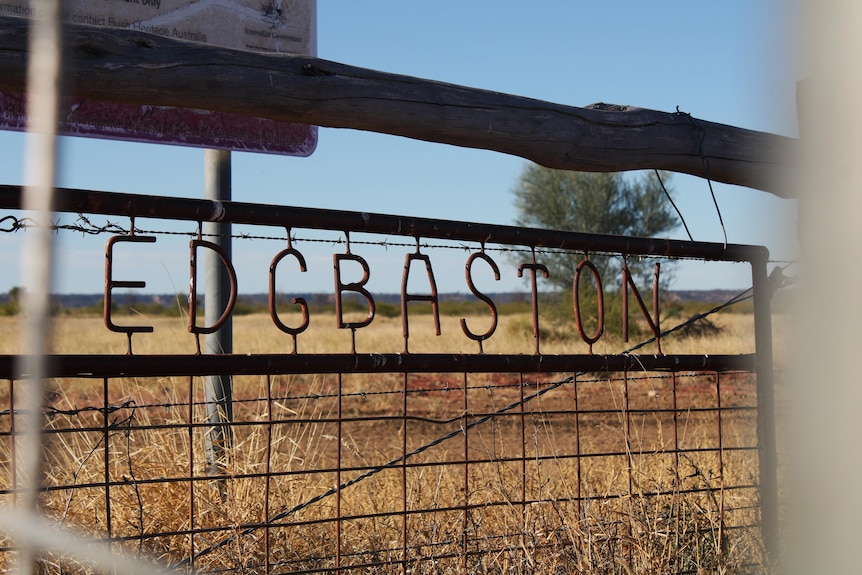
[654,325]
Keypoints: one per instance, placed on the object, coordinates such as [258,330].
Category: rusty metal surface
[195,365]
[110,203]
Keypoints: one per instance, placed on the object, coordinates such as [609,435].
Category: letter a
[405,297]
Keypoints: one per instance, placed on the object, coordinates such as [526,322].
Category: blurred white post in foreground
[825,501]
[31,532]
[43,92]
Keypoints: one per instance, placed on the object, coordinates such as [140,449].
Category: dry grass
[258,334]
[650,492]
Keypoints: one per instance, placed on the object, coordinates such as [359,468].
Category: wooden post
[125,66]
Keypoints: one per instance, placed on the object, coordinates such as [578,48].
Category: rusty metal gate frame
[196,210]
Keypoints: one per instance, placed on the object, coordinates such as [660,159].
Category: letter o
[577,303]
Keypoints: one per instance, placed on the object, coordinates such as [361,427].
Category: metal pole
[218,391]
[766,443]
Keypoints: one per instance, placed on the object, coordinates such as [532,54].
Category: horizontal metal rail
[237,364]
[194,210]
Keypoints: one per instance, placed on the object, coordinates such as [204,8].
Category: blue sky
[728,62]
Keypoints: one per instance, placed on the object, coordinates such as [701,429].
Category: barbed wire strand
[88,228]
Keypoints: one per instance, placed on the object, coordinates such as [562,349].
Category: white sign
[282,26]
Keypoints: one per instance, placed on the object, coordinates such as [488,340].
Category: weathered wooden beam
[126,66]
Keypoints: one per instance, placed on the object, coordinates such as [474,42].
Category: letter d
[193,292]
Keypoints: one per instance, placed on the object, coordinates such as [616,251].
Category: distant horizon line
[329,292]
[88,298]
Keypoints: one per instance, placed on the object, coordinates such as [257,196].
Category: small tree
[605,203]
[12,305]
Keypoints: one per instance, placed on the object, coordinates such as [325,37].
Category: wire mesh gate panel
[384,457]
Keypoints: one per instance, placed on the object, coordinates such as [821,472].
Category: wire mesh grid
[427,473]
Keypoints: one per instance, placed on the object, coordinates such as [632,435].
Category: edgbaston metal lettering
[534,269]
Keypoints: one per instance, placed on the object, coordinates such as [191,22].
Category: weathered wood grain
[125,66]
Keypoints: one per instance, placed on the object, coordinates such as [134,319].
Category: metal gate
[372,460]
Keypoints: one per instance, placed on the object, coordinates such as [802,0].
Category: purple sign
[283,26]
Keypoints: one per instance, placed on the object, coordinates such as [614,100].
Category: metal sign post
[218,390]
